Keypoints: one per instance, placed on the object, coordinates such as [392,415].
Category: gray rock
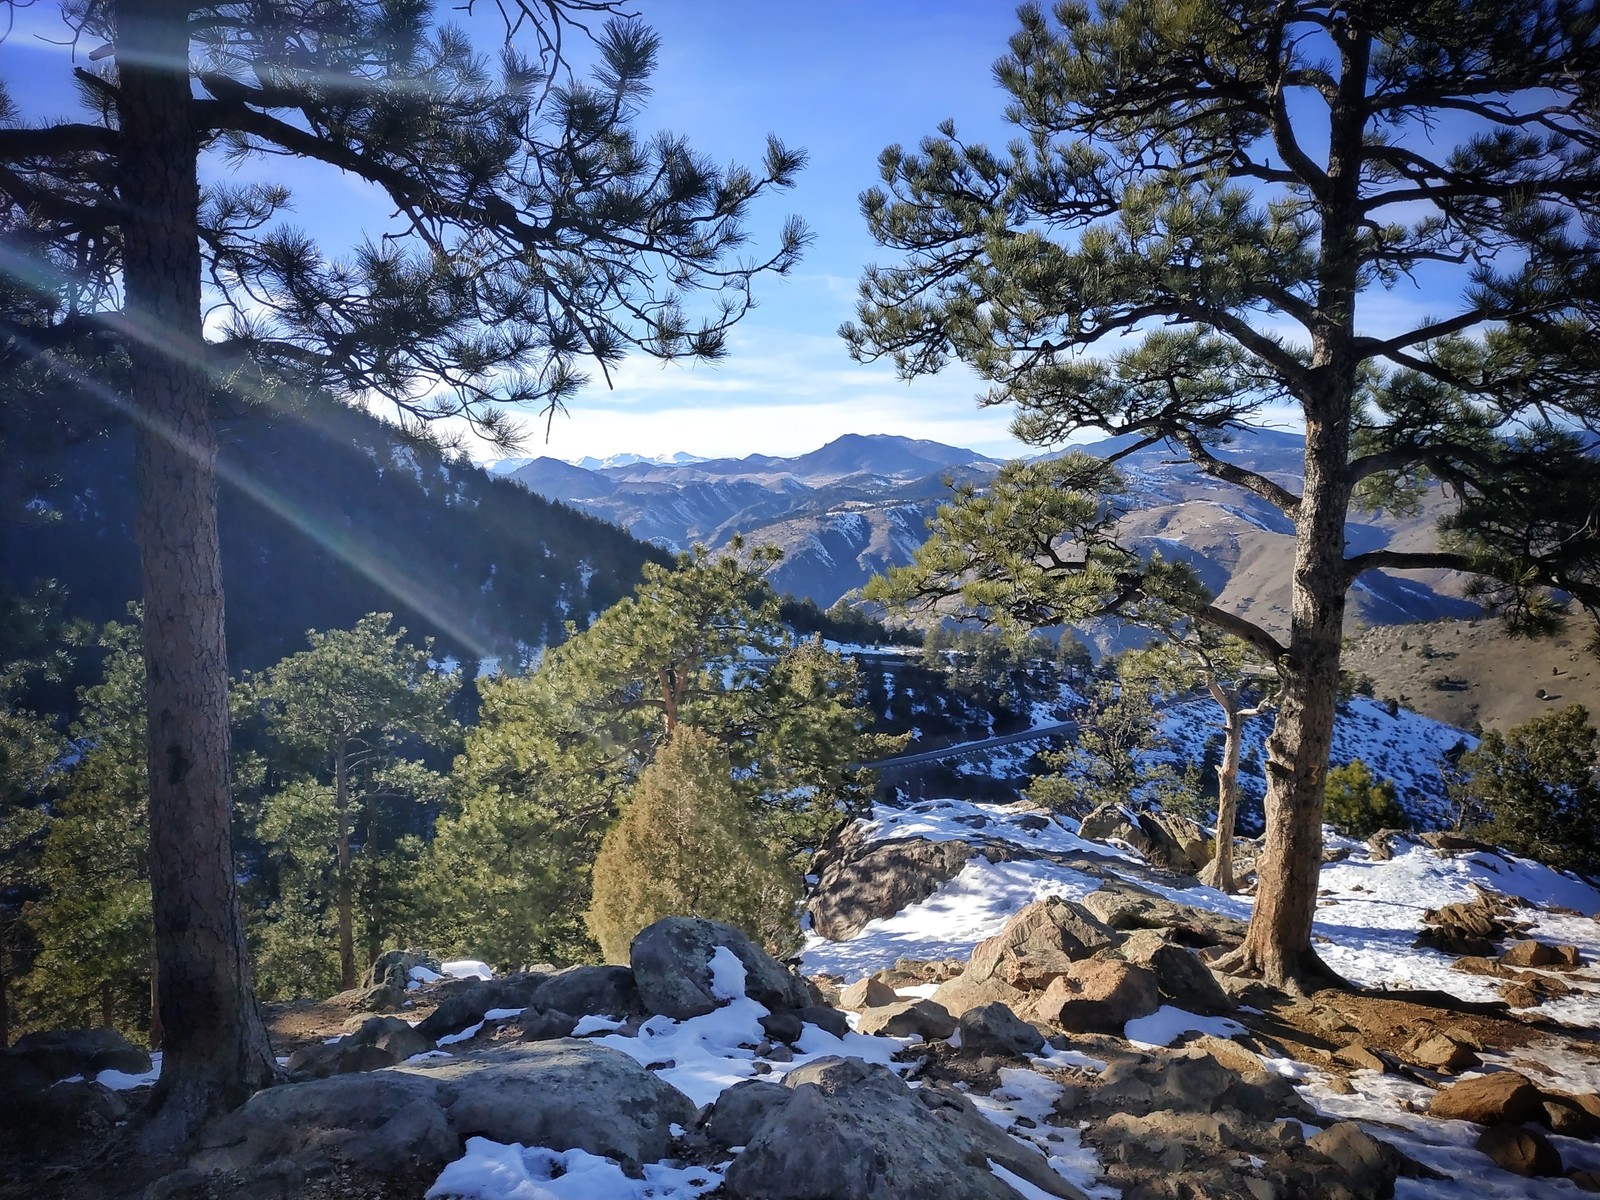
[854,1131]
[1040,942]
[466,1006]
[926,1019]
[61,1053]
[1124,905]
[995,1029]
[340,1058]
[394,967]
[1368,1167]
[598,991]
[1180,975]
[785,1025]
[384,1121]
[566,1094]
[543,1026]
[671,966]
[740,1111]
[826,1018]
[862,883]
[391,1034]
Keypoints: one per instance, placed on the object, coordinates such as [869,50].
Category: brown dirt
[1467,672]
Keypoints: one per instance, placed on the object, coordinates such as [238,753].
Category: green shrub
[687,845]
[1358,804]
[1537,789]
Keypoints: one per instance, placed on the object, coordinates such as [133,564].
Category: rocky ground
[1059,1034]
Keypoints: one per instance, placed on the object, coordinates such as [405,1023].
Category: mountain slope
[329,514]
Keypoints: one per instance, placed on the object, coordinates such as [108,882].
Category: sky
[840,78]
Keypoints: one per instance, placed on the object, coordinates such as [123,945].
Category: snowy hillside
[1404,747]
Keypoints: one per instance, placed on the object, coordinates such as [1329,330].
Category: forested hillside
[327,514]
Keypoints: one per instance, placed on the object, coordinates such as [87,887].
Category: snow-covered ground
[1369,912]
[1405,747]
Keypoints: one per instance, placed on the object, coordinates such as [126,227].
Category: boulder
[543,1025]
[390,1034]
[878,880]
[60,1113]
[465,1005]
[1040,942]
[1195,1080]
[1521,1151]
[737,1114]
[964,993]
[1443,1053]
[1180,975]
[1570,1116]
[671,966]
[61,1053]
[1360,1057]
[826,1018]
[567,1094]
[384,1122]
[909,972]
[1471,927]
[1126,906]
[384,986]
[584,991]
[1098,996]
[786,1025]
[854,1131]
[926,1019]
[867,993]
[993,1029]
[1530,953]
[1367,1165]
[337,1058]
[1165,839]
[1502,1097]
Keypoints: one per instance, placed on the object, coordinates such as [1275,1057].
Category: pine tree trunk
[1219,873]
[1278,944]
[215,1046]
[346,904]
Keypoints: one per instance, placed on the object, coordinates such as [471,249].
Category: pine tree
[1539,788]
[93,924]
[535,231]
[1359,803]
[688,845]
[1201,202]
[339,716]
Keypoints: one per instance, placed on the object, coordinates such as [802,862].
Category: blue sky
[841,78]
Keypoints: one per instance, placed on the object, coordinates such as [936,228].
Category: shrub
[1538,786]
[1358,804]
[687,845]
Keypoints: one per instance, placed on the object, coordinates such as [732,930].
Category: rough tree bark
[1278,944]
[341,807]
[214,1043]
[1218,873]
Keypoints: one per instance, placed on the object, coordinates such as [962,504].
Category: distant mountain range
[862,503]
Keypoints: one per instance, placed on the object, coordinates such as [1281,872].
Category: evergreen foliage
[1537,788]
[1215,191]
[537,232]
[1359,804]
[340,718]
[1119,755]
[93,920]
[687,844]
[554,751]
